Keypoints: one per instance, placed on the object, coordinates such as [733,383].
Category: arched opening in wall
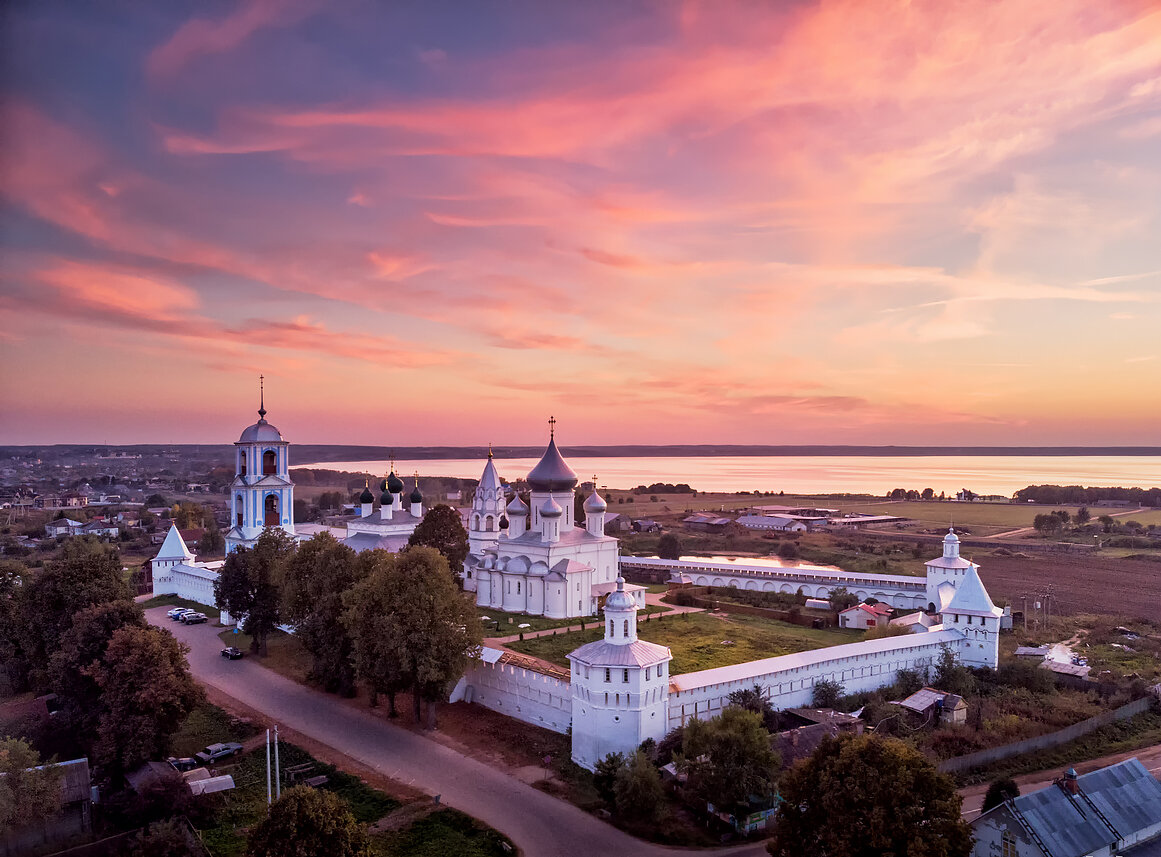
[239,505]
[242,463]
[269,463]
[488,521]
[271,518]
[930,606]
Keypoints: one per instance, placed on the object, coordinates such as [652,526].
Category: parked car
[231,653]
[194,618]
[185,763]
[218,751]
[177,612]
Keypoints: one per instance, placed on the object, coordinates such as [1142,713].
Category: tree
[637,790]
[27,795]
[1106,522]
[928,494]
[999,791]
[165,838]
[826,694]
[863,796]
[1047,525]
[1083,516]
[249,585]
[788,550]
[307,822]
[315,578]
[757,700]
[373,626]
[146,693]
[13,663]
[442,529]
[841,598]
[729,758]
[82,647]
[605,773]
[437,629]
[951,676]
[212,542]
[86,573]
[669,546]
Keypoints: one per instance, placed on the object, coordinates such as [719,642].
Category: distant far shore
[304,454]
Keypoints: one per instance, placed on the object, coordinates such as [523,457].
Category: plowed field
[1080,584]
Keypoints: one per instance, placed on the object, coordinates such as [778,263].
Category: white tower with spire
[620,686]
[261,494]
[487,510]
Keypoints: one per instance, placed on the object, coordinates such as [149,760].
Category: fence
[1042,742]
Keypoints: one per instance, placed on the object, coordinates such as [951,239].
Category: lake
[823,474]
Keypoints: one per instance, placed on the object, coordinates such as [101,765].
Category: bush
[788,550]
[826,694]
[605,775]
[999,791]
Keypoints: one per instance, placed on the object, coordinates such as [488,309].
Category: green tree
[212,541]
[250,585]
[669,546]
[315,578]
[826,694]
[841,598]
[862,796]
[757,700]
[637,790]
[308,822]
[86,573]
[373,626]
[788,550]
[146,694]
[605,773]
[14,665]
[951,676]
[1106,522]
[166,838]
[27,796]
[82,648]
[999,791]
[728,758]
[437,629]
[1083,516]
[442,529]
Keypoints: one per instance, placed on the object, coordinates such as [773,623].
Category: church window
[606,697]
[1008,845]
[626,627]
[469,575]
[608,674]
[239,506]
[647,673]
[618,699]
[625,678]
[271,519]
[612,631]
[242,463]
[517,587]
[269,464]
[488,523]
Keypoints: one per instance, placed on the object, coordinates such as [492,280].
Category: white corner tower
[972,613]
[487,510]
[261,494]
[620,686]
[946,573]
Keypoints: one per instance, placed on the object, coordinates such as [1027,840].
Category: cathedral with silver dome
[535,558]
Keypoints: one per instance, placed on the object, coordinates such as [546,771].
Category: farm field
[1080,584]
[696,640]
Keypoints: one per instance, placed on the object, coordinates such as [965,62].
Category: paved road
[542,826]
[973,796]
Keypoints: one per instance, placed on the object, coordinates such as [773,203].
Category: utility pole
[268,798]
[277,768]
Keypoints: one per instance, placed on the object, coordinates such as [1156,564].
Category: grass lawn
[208,724]
[173,601]
[510,622]
[441,833]
[245,805]
[285,654]
[993,516]
[696,640]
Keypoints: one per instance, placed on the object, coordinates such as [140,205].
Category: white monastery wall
[518,692]
[790,679]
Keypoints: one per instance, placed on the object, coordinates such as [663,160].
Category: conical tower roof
[174,546]
[551,473]
[971,597]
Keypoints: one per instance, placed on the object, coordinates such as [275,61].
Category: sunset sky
[438,222]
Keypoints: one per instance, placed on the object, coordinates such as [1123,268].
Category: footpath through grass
[700,641]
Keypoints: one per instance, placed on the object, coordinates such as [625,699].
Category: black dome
[551,473]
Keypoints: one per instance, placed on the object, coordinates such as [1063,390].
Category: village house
[939,706]
[864,616]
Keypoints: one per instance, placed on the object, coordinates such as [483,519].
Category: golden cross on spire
[262,396]
[489,449]
[552,427]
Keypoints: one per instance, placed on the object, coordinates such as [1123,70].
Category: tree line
[1077,495]
[395,622]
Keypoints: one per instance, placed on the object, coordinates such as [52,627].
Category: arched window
[517,587]
[239,506]
[488,523]
[626,627]
[475,522]
[612,633]
[242,463]
[269,463]
[271,519]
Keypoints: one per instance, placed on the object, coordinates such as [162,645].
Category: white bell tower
[261,494]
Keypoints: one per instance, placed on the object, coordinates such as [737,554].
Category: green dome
[394,483]
[366,496]
[385,498]
[416,497]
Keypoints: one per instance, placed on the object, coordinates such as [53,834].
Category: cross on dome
[552,427]
[261,397]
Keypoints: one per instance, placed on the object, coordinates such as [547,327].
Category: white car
[177,612]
